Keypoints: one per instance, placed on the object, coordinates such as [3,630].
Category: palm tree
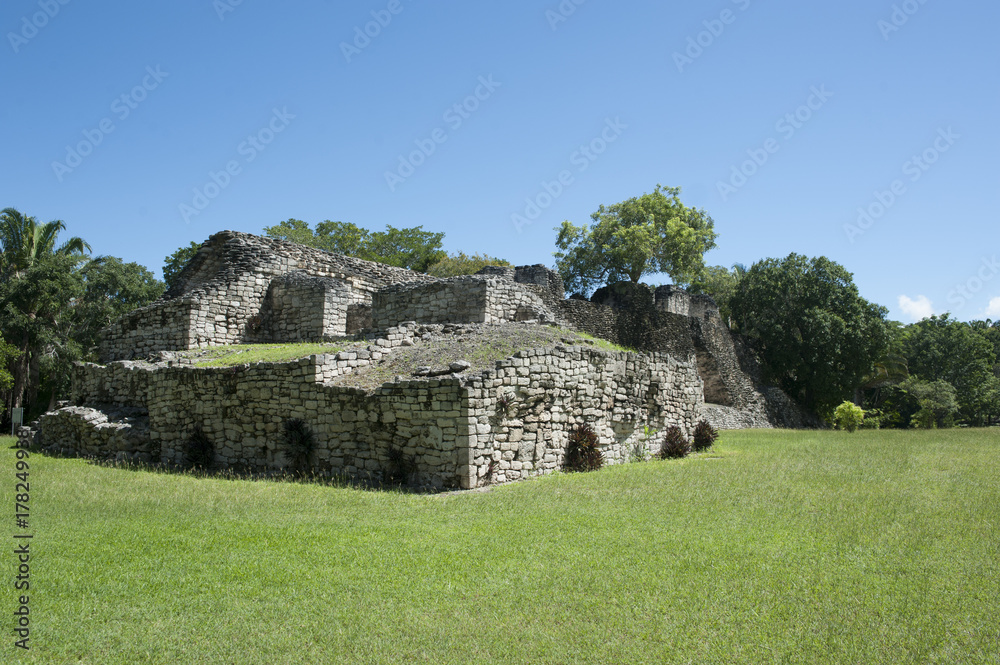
[23,241]
[889,370]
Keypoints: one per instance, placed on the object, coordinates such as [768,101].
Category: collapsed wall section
[668,319]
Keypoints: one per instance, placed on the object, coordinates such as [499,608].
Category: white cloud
[993,309]
[918,309]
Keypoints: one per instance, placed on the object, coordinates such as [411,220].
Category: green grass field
[774,547]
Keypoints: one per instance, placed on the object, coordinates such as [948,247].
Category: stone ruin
[449,429]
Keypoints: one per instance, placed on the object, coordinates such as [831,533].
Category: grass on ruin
[598,342]
[773,547]
[242,354]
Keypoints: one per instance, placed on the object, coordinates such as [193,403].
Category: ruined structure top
[245,288]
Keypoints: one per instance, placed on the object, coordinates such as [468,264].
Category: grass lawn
[774,547]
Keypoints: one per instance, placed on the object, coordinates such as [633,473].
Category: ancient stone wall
[441,432]
[465,299]
[668,319]
[551,392]
[302,308]
[120,384]
[219,296]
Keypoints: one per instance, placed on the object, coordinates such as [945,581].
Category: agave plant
[675,445]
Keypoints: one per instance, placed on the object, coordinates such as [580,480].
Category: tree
[937,402]
[8,353]
[112,289]
[720,283]
[412,248]
[293,230]
[954,351]
[463,264]
[38,283]
[990,331]
[817,337]
[35,315]
[650,234]
[175,263]
[23,241]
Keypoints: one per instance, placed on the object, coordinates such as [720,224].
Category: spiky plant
[675,445]
[199,453]
[583,452]
[299,442]
[704,436]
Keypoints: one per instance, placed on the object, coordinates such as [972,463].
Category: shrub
[583,452]
[401,467]
[848,416]
[873,419]
[674,444]
[299,442]
[704,436]
[505,402]
[199,453]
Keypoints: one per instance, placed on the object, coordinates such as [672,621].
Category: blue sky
[145,126]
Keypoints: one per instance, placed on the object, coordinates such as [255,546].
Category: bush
[583,452]
[505,404]
[873,419]
[674,444]
[848,416]
[704,436]
[299,442]
[402,468]
[199,453]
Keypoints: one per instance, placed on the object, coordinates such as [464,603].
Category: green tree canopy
[817,337]
[942,348]
[35,316]
[23,241]
[174,264]
[112,289]
[411,248]
[464,264]
[937,402]
[720,283]
[649,234]
[8,354]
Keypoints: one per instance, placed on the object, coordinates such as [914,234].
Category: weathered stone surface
[459,366]
[246,288]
